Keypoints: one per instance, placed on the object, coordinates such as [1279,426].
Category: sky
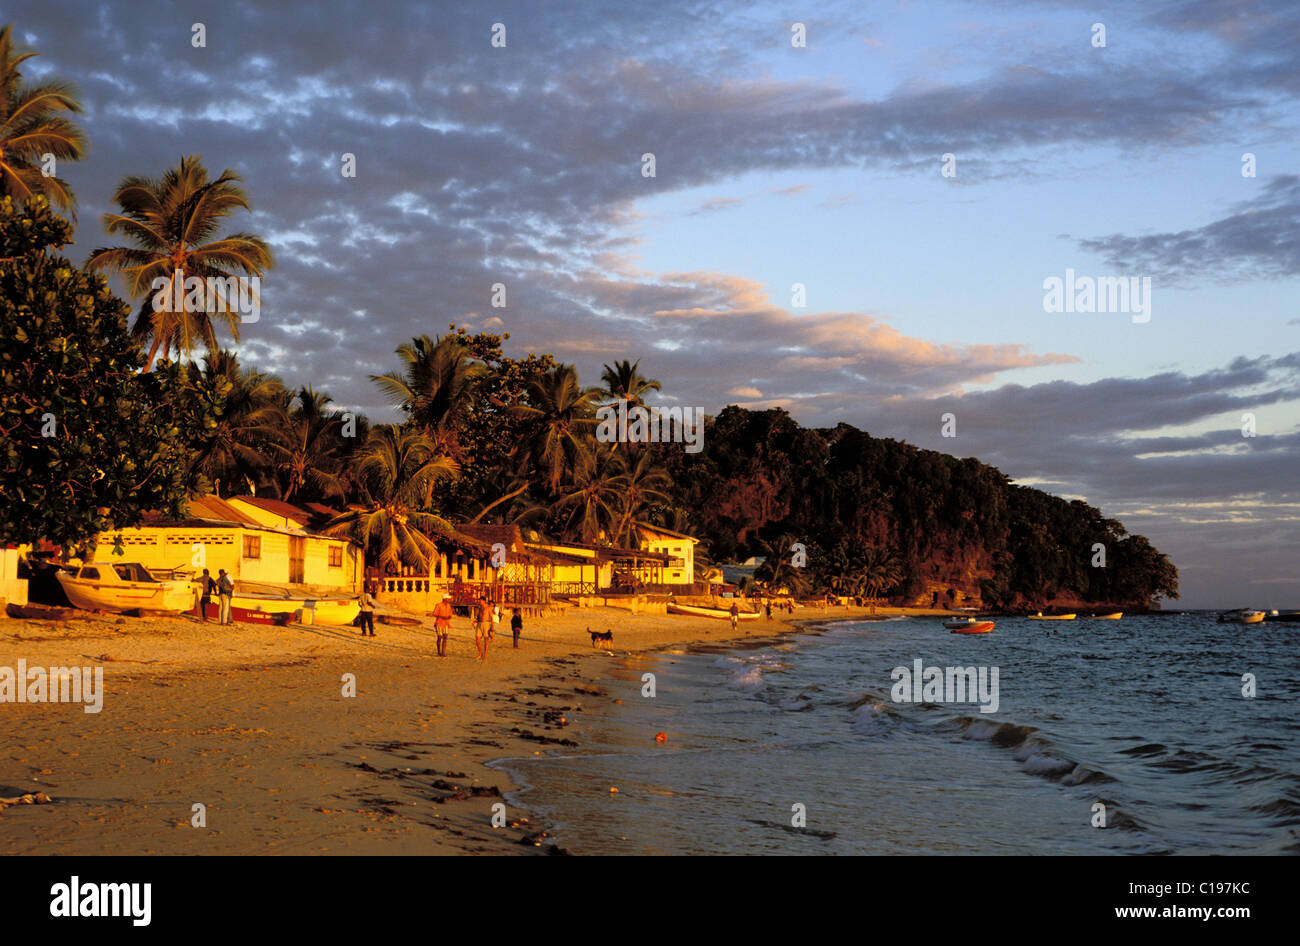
[921,170]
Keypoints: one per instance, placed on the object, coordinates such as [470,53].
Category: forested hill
[930,522]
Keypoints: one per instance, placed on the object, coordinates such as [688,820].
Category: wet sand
[252,723]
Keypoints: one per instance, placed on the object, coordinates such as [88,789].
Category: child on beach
[442,623]
[516,626]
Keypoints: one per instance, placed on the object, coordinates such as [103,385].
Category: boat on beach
[246,615]
[1242,616]
[335,610]
[721,614]
[125,586]
[1040,616]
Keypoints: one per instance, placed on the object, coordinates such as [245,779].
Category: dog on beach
[598,639]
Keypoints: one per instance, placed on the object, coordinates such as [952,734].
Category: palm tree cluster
[484,436]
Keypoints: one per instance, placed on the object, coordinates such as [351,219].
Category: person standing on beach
[442,623]
[225,594]
[517,626]
[482,627]
[367,602]
[769,610]
[735,615]
[206,587]
[496,622]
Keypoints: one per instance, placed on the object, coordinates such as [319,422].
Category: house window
[336,556]
[252,546]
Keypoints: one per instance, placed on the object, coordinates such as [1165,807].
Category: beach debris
[613,790]
[661,737]
[31,798]
[544,740]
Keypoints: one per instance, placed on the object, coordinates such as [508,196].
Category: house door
[297,554]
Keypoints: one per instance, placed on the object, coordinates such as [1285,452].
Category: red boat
[245,616]
[975,627]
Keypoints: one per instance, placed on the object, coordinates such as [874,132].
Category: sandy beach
[252,723]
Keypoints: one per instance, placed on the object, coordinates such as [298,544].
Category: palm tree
[308,453]
[33,123]
[233,452]
[880,572]
[591,503]
[778,569]
[624,382]
[398,468]
[435,386]
[563,412]
[640,485]
[174,225]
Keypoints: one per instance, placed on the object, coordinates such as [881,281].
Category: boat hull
[172,597]
[716,613]
[979,627]
[1108,617]
[332,611]
[1052,617]
[246,616]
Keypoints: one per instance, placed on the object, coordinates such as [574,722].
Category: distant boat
[1108,617]
[971,627]
[722,614]
[124,586]
[1289,616]
[1241,616]
[1040,616]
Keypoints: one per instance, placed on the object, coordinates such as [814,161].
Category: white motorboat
[125,586]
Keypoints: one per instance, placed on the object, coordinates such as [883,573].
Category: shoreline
[252,723]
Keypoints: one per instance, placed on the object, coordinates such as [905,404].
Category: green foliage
[89,444]
[882,517]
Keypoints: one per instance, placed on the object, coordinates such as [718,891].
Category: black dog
[605,640]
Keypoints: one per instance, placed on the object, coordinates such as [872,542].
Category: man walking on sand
[482,627]
[735,615]
[516,626]
[442,623]
[225,594]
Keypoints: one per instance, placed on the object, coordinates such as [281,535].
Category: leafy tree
[87,443]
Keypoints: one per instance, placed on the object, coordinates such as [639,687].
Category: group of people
[223,586]
[486,617]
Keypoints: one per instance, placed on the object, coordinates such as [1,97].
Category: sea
[1168,734]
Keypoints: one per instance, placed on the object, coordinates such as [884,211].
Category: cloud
[716,204]
[1259,240]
